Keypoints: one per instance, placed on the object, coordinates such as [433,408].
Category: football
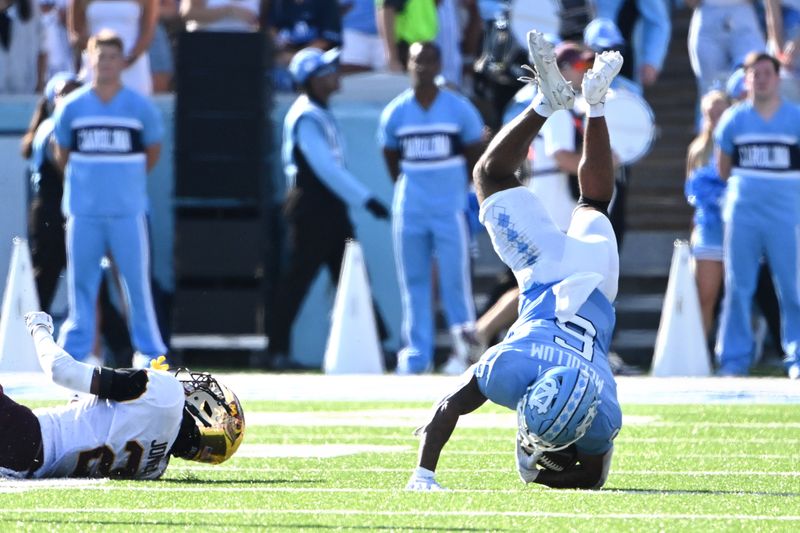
[560,460]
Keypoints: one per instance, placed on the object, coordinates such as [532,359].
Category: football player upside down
[127,426]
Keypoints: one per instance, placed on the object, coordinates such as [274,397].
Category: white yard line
[416,513]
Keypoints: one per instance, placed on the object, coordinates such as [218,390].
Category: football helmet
[217,413]
[557,409]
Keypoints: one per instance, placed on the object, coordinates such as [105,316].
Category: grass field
[342,465]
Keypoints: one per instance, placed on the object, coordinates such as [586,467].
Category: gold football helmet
[217,413]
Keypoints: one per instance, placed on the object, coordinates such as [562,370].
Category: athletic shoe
[794,371]
[597,79]
[454,366]
[555,89]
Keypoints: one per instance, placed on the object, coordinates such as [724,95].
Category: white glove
[526,461]
[423,479]
[36,319]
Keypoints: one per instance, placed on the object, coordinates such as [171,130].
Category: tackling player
[129,427]
[552,367]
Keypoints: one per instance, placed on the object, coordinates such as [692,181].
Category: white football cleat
[36,319]
[424,484]
[794,371]
[454,366]
[555,89]
[597,79]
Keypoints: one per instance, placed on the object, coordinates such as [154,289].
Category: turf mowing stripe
[354,512]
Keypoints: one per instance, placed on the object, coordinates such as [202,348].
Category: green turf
[676,468]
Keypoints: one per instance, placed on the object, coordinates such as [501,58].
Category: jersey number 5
[580,339]
[102,458]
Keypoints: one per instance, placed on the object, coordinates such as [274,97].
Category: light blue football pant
[745,240]
[125,240]
[417,239]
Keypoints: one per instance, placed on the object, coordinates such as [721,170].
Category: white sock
[541,105]
[597,110]
[423,473]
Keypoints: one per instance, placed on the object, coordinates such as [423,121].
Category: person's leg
[451,243]
[708,275]
[509,148]
[20,437]
[782,256]
[306,250]
[48,252]
[130,248]
[734,347]
[413,255]
[85,248]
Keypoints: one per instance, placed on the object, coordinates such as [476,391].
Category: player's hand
[526,461]
[377,209]
[159,363]
[36,319]
[423,481]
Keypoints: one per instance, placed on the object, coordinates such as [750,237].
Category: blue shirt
[537,342]
[704,191]
[764,156]
[656,28]
[431,143]
[106,173]
[360,17]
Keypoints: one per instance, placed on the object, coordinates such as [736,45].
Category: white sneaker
[794,371]
[555,89]
[141,360]
[597,79]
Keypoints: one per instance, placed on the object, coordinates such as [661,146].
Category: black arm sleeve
[121,384]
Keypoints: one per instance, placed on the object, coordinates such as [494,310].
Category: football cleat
[597,80]
[36,319]
[557,409]
[555,89]
[217,413]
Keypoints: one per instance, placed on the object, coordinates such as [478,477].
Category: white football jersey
[103,438]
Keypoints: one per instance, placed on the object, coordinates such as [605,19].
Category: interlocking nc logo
[541,397]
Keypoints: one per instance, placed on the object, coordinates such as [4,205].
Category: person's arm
[472,153]
[656,32]
[774,20]
[495,169]
[392,158]
[153,152]
[312,143]
[386,16]
[723,165]
[115,384]
[77,29]
[147,27]
[435,434]
[198,11]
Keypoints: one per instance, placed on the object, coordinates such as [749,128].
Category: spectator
[431,139]
[601,35]
[758,156]
[220,15]
[645,24]
[108,138]
[402,22]
[134,21]
[704,191]
[162,66]
[296,24]
[721,34]
[362,48]
[59,52]
[320,191]
[23,48]
[783,39]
